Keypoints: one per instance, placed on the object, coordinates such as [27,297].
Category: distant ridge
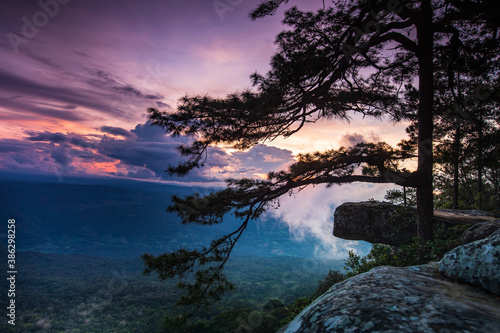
[124,220]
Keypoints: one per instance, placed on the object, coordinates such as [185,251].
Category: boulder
[479,231]
[426,298]
[390,299]
[477,263]
[370,221]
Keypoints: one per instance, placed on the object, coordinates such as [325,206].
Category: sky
[77,76]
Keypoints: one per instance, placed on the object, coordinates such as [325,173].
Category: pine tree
[467,114]
[357,56]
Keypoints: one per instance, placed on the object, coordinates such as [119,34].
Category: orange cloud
[100,167]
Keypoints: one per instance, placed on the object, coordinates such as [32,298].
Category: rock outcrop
[457,294]
[479,231]
[390,299]
[477,263]
[375,222]
[371,222]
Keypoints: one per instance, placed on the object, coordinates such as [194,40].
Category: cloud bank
[141,153]
[310,212]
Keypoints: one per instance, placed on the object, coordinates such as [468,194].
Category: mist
[310,213]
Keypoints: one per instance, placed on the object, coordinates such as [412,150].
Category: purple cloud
[116,131]
[129,90]
[350,140]
[72,138]
[143,152]
[129,57]
[29,88]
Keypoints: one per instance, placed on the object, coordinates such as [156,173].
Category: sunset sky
[77,76]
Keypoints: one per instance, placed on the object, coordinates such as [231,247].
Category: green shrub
[333,277]
[415,253]
[296,307]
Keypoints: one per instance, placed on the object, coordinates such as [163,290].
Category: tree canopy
[372,57]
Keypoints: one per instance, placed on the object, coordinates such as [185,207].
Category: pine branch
[248,199]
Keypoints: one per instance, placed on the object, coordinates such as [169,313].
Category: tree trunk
[404,196]
[456,161]
[480,162]
[425,204]
[497,196]
[469,198]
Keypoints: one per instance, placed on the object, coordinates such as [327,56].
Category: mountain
[125,219]
[77,257]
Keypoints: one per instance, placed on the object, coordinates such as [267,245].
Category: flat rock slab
[391,299]
[374,222]
[371,222]
[462,217]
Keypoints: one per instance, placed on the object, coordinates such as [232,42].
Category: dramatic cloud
[262,159]
[24,156]
[310,212]
[148,133]
[30,88]
[73,96]
[72,138]
[155,156]
[129,90]
[111,61]
[106,80]
[116,131]
[143,152]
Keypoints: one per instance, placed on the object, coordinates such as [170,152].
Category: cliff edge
[458,294]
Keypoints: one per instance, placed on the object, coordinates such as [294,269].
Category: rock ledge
[390,299]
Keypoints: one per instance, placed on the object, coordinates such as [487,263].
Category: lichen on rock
[372,222]
[477,263]
[425,298]
[391,299]
[479,231]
